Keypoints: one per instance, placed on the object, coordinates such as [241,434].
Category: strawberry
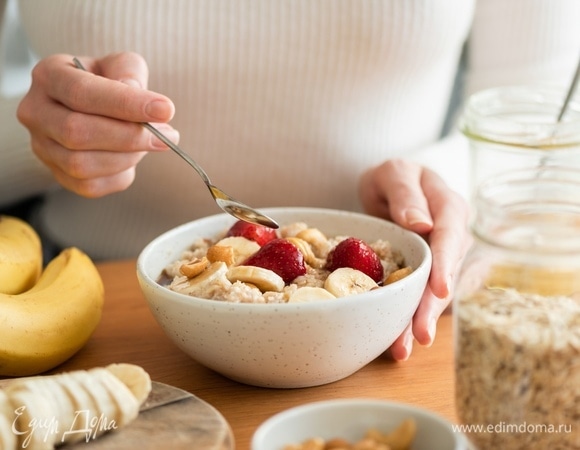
[357,254]
[254,232]
[280,256]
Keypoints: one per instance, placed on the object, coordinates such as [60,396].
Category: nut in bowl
[286,344]
[357,423]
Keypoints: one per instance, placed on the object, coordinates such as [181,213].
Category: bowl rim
[425,263]
[321,406]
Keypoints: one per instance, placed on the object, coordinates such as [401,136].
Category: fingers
[79,131]
[449,238]
[86,125]
[95,93]
[96,187]
[88,173]
[418,199]
[393,190]
[424,324]
[402,348]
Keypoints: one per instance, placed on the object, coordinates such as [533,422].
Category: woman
[312,103]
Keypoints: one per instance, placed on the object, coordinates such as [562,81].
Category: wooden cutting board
[181,425]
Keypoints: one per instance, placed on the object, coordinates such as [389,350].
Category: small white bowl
[287,345]
[350,419]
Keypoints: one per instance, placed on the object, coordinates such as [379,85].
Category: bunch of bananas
[46,315]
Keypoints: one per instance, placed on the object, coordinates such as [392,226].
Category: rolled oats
[518,369]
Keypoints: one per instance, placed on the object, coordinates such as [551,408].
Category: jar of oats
[517,313]
[511,127]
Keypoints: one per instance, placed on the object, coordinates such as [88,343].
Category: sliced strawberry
[357,254]
[280,256]
[254,232]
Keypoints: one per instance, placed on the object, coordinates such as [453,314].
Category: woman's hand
[85,128]
[418,199]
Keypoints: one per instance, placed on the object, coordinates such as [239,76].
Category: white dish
[292,344]
[350,419]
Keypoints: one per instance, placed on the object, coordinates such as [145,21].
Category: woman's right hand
[85,126]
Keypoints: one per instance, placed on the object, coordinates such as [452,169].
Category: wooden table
[129,333]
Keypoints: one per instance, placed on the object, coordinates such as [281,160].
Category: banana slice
[83,404]
[8,439]
[316,239]
[308,294]
[31,409]
[243,248]
[105,408]
[134,377]
[397,275]
[347,281]
[210,275]
[263,279]
[63,409]
[126,403]
[306,249]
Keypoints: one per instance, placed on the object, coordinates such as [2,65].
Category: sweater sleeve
[523,41]
[21,173]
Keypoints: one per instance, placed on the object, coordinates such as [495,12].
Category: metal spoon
[545,160]
[230,205]
[569,94]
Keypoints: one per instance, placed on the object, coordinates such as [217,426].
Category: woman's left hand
[418,199]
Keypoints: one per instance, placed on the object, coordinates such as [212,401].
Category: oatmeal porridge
[253,264]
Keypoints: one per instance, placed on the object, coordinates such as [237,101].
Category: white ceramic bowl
[350,419]
[293,344]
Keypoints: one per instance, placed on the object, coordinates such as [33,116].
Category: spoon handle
[178,150]
[570,93]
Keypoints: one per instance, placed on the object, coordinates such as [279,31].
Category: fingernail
[415,216]
[158,110]
[408,344]
[171,133]
[431,331]
[449,285]
[131,82]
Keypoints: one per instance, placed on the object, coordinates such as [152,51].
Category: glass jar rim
[524,116]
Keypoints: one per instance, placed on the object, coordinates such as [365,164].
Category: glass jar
[517,313]
[516,127]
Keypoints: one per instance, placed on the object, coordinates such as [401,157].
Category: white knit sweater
[284,102]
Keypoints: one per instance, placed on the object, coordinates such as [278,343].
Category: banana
[79,398]
[20,255]
[308,294]
[306,249]
[209,279]
[134,377]
[7,436]
[123,405]
[397,275]
[347,281]
[243,248]
[47,324]
[317,239]
[69,407]
[263,279]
